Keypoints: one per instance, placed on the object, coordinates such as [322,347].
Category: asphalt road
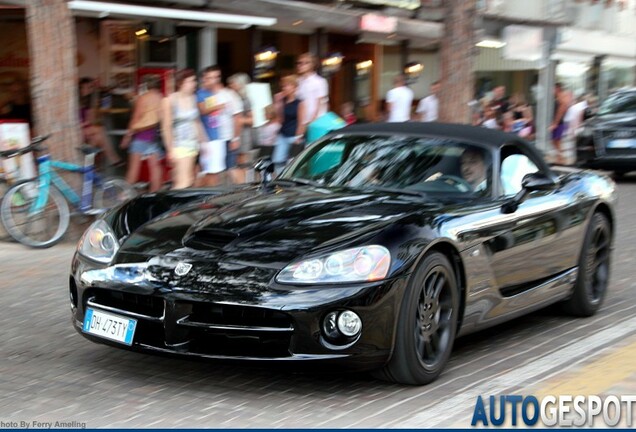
[48,373]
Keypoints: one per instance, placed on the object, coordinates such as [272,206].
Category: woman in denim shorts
[142,140]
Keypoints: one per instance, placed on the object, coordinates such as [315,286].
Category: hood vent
[207,238]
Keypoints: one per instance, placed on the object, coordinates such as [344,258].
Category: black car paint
[533,253]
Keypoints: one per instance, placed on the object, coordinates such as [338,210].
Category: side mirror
[536,181]
[265,167]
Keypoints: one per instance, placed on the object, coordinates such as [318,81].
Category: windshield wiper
[397,191]
[296,181]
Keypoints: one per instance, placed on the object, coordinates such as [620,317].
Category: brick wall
[52,47]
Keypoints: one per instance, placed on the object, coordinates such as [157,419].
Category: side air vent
[206,238]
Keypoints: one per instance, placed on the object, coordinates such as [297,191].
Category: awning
[313,16]
[491,60]
[583,45]
[104,9]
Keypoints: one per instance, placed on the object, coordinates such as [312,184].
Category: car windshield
[619,103]
[394,163]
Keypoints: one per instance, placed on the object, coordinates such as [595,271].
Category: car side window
[514,167]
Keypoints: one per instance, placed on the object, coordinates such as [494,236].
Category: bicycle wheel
[38,229]
[111,193]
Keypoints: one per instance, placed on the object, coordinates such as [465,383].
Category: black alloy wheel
[594,269]
[433,315]
[426,325]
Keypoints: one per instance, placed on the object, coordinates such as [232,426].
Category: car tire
[426,325]
[594,269]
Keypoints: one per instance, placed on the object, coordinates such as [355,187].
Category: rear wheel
[40,229]
[427,324]
[111,193]
[594,269]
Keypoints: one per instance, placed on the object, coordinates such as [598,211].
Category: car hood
[266,228]
[614,121]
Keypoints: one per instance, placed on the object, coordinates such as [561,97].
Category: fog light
[349,323]
[329,325]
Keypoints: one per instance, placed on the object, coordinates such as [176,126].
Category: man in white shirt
[428,108]
[225,110]
[313,90]
[399,100]
[574,116]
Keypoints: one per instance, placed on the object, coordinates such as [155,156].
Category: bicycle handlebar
[33,146]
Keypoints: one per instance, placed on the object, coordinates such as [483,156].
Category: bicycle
[35,212]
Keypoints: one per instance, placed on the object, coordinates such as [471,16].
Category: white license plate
[622,143]
[109,326]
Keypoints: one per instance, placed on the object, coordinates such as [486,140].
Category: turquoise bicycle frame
[47,174]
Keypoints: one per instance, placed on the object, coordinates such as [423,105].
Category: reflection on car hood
[269,229]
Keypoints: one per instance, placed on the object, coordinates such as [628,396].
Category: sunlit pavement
[50,373]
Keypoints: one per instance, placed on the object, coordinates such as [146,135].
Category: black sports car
[608,140]
[374,249]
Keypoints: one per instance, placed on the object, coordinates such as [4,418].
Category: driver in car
[473,168]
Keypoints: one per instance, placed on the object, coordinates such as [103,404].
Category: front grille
[124,301]
[209,237]
[207,342]
[243,316]
[200,328]
[234,330]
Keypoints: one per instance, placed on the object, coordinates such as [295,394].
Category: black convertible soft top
[474,134]
[457,131]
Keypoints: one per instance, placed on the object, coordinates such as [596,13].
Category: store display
[120,55]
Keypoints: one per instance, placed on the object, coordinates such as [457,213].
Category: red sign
[378,23]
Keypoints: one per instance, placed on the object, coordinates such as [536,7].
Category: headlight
[363,264]
[98,243]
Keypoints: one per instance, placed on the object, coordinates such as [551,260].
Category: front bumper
[236,312]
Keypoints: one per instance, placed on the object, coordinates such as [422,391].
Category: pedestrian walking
[182,129]
[230,126]
[268,132]
[347,113]
[428,108]
[93,131]
[238,83]
[213,152]
[574,115]
[500,102]
[291,111]
[399,100]
[142,137]
[313,90]
[558,127]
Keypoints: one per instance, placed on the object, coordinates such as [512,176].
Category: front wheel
[594,269]
[427,324]
[112,192]
[32,226]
